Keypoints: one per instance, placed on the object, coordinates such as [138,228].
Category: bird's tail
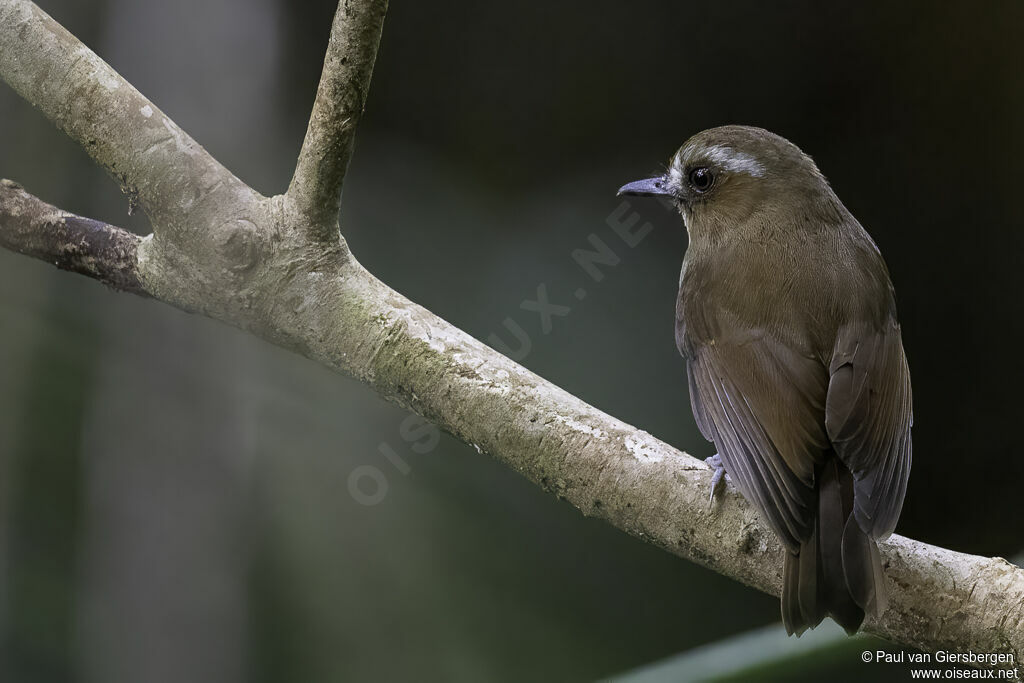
[838,571]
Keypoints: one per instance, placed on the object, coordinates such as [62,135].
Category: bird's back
[768,326]
[786,318]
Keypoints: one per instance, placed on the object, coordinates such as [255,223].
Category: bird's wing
[763,405]
[868,415]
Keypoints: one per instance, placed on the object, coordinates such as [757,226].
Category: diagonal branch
[156,163]
[351,322]
[340,99]
[103,252]
[939,599]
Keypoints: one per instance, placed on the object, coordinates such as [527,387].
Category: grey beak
[650,187]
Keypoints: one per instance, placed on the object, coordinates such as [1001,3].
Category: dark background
[174,498]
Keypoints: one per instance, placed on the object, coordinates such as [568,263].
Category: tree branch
[340,99]
[255,263]
[939,599]
[32,227]
[156,163]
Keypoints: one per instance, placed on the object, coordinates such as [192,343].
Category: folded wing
[868,416]
[763,404]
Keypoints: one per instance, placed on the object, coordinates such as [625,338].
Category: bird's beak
[650,187]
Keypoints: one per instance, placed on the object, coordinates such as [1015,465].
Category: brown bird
[787,320]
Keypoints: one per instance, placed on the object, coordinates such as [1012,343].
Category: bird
[786,319]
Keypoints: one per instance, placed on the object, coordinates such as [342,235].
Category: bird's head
[722,176]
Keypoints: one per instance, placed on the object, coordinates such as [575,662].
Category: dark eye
[701,179]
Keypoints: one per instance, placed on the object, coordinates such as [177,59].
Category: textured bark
[269,265]
[340,99]
[32,227]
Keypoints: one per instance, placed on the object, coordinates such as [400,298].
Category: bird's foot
[718,479]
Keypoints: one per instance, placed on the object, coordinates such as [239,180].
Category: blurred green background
[175,495]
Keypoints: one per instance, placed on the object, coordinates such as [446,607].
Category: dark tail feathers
[838,571]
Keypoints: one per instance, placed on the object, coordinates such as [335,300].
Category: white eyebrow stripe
[736,162]
[675,173]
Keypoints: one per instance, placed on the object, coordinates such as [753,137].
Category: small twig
[104,252]
[316,184]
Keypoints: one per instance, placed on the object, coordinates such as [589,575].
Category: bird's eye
[701,179]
